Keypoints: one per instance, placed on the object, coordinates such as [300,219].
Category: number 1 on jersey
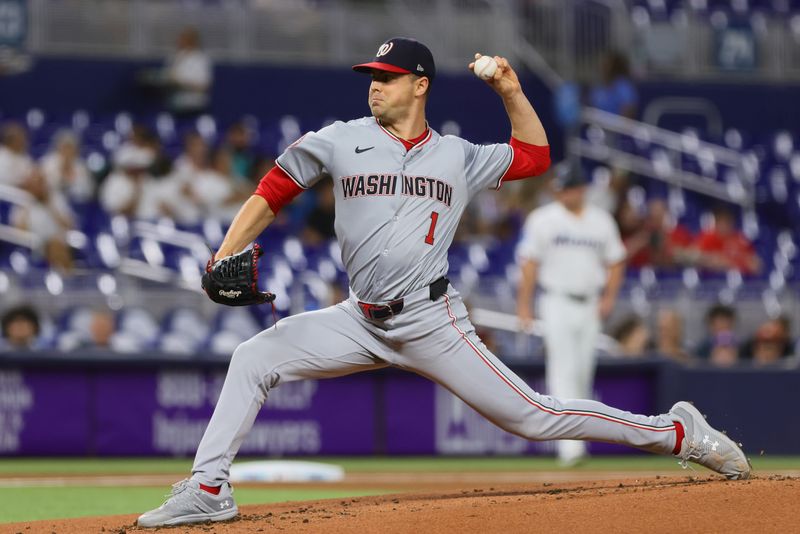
[429,237]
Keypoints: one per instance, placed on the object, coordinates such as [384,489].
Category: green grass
[93,466]
[180,467]
[31,503]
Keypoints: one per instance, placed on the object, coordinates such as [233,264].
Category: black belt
[380,312]
[572,296]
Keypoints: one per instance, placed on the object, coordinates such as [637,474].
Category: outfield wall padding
[105,406]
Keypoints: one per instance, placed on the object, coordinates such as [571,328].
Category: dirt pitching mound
[657,504]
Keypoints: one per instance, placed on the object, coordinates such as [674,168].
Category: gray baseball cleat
[706,446]
[189,504]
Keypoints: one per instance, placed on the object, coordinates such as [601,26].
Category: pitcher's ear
[422,85]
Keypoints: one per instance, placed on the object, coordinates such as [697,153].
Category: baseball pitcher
[400,191]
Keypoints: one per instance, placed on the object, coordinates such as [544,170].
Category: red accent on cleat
[679,434]
[214,490]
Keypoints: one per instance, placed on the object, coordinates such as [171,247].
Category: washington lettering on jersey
[425,186]
[362,185]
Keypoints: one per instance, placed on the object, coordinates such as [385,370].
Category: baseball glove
[233,280]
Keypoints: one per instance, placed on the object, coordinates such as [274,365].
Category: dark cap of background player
[402,55]
[569,174]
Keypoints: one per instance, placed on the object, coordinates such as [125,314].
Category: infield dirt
[703,504]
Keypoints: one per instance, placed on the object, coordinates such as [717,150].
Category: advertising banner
[162,411]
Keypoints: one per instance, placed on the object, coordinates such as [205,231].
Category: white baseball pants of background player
[432,338]
[571,326]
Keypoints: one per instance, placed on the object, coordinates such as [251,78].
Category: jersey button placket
[379,267]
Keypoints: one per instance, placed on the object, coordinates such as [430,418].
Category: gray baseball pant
[432,338]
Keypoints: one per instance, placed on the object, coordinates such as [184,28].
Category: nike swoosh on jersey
[360,150]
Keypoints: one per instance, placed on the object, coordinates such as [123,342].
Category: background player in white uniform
[574,251]
[400,190]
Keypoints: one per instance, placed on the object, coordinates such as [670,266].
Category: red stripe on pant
[531,401]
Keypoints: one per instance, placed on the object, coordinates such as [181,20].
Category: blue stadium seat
[139,323]
[183,331]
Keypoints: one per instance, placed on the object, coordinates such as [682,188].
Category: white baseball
[485,67]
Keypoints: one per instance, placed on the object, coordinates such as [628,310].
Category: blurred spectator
[222,163]
[239,141]
[567,104]
[629,221]
[487,210]
[202,187]
[65,170]
[48,217]
[320,220]
[179,187]
[609,186]
[130,190]
[771,342]
[188,74]
[615,93]
[493,217]
[15,163]
[659,241]
[221,192]
[669,337]
[194,157]
[101,329]
[162,163]
[725,352]
[723,247]
[97,332]
[632,336]
[100,333]
[138,144]
[261,167]
[183,84]
[143,141]
[720,345]
[21,329]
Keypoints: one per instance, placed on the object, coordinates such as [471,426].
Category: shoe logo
[707,441]
[225,504]
[359,150]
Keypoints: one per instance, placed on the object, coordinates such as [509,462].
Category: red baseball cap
[403,56]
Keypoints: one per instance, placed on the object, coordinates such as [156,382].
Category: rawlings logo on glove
[233,280]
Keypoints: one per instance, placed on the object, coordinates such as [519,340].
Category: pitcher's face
[392,95]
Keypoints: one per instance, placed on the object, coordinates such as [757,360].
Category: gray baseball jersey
[396,210]
[396,213]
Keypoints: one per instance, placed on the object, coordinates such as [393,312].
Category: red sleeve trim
[277,188]
[528,160]
[287,173]
[505,172]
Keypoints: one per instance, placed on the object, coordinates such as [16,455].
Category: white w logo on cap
[384,49]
